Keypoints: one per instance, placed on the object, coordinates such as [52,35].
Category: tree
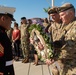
[46,11]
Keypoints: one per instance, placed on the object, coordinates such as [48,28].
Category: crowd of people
[62,30]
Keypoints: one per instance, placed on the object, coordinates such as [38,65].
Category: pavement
[30,69]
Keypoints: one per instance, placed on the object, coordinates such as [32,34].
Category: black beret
[65,7]
[53,10]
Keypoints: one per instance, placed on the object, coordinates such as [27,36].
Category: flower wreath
[38,31]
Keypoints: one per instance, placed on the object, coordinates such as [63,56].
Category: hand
[13,40]
[49,61]
[1,73]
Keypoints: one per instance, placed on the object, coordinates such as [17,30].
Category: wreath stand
[46,50]
[50,72]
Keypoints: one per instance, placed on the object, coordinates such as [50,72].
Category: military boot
[26,60]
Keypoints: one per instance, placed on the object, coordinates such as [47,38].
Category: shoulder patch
[1,50]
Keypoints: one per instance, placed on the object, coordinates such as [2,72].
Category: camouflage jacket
[68,50]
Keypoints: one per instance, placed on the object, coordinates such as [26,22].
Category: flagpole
[52,3]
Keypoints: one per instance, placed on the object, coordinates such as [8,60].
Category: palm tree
[46,11]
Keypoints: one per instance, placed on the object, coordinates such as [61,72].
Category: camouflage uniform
[67,54]
[54,30]
[45,23]
[25,41]
[65,63]
[55,26]
[9,33]
[68,51]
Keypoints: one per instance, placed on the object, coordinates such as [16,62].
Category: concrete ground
[30,69]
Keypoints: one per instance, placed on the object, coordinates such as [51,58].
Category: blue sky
[32,8]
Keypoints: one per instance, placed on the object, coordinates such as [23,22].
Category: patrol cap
[53,10]
[7,11]
[65,7]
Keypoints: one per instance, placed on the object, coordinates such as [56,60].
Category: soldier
[55,27]
[68,36]
[45,23]
[29,21]
[6,58]
[25,39]
[54,31]
[67,56]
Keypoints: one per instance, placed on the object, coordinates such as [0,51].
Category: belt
[8,63]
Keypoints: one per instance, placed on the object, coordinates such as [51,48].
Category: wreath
[38,32]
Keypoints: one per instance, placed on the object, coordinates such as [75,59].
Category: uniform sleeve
[2,63]
[2,59]
[50,29]
[73,33]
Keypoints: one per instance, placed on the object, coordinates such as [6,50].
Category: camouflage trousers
[58,68]
[70,67]
[68,56]
[25,50]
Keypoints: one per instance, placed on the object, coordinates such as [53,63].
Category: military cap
[65,7]
[23,18]
[7,11]
[53,10]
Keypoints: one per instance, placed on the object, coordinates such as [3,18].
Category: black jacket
[5,46]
